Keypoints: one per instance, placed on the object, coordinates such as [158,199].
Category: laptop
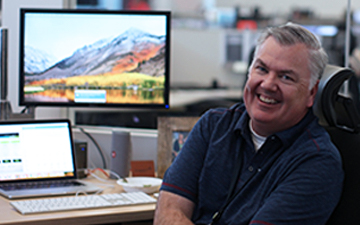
[37,159]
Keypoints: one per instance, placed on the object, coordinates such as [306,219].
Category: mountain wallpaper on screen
[133,51]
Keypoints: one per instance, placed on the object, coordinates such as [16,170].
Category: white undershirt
[257,139]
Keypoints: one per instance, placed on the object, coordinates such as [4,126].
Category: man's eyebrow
[259,61]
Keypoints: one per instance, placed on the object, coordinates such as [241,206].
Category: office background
[209,57]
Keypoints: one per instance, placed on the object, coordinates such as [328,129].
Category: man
[267,161]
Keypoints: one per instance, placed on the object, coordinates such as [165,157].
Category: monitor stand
[5,106]
[6,112]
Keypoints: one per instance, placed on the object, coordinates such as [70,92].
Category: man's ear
[312,94]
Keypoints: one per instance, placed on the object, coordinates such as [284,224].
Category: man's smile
[267,99]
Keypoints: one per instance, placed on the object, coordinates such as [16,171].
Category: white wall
[198,56]
[143,144]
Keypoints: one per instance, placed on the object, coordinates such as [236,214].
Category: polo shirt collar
[287,137]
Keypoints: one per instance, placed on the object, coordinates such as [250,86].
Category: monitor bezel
[22,102]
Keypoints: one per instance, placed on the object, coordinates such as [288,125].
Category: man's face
[277,94]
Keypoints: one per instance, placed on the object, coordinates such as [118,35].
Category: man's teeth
[267,100]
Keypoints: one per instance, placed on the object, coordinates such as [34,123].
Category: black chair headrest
[333,108]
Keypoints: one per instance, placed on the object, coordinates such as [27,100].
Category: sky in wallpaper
[61,35]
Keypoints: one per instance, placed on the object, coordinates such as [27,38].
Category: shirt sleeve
[307,195]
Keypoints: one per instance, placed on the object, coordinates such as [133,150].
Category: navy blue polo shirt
[294,178]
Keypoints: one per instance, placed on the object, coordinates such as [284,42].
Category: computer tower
[81,157]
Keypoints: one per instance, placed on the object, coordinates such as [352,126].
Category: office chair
[339,115]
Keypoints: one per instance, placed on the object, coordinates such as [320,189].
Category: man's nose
[270,81]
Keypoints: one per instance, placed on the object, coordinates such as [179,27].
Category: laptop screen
[36,150]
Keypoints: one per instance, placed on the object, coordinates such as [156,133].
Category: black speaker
[81,157]
[120,153]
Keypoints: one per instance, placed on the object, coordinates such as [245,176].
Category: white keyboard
[31,206]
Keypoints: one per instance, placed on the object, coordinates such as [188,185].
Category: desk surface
[180,97]
[8,215]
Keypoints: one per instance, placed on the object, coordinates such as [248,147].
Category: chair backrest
[333,108]
[338,113]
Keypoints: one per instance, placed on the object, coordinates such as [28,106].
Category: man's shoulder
[221,120]
[318,133]
[316,140]
[235,110]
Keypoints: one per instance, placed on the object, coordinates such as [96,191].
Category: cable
[107,175]
[115,175]
[95,143]
[24,110]
[105,181]
[99,178]
[101,170]
[80,192]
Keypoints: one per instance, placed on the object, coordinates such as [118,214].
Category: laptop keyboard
[38,184]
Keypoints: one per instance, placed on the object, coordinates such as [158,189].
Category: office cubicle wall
[143,144]
[201,56]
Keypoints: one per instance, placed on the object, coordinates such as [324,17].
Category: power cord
[95,143]
[91,172]
[24,110]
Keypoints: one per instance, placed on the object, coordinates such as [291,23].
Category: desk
[8,215]
[179,98]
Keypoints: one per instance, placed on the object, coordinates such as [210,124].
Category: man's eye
[261,69]
[286,77]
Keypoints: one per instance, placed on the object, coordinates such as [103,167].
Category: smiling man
[278,93]
[267,161]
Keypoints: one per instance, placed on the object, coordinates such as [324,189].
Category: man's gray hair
[291,34]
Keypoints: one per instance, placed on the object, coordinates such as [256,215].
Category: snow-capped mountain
[36,61]
[134,50]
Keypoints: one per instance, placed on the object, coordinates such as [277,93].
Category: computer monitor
[94,58]
[322,30]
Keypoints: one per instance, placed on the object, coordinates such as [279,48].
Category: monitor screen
[322,30]
[94,58]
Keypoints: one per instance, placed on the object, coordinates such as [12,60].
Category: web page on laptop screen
[33,151]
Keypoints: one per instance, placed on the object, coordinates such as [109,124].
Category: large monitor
[94,58]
